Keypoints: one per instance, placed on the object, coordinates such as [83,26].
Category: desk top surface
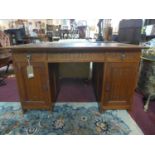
[80,44]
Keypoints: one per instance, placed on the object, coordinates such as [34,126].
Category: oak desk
[115,68]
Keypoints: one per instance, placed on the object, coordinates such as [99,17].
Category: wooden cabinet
[34,92]
[119,84]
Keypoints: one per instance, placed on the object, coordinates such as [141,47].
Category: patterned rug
[66,119]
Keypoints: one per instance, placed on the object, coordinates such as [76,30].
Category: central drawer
[123,56]
[76,57]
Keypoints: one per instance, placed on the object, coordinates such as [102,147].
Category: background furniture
[16,35]
[130,31]
[5,56]
[146,82]
[115,68]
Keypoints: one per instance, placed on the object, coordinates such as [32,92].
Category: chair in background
[16,36]
[130,31]
[5,56]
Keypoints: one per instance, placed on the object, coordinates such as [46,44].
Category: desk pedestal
[114,76]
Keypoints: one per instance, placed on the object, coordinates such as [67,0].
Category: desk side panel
[34,92]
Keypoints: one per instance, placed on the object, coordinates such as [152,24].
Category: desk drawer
[122,56]
[35,57]
[76,57]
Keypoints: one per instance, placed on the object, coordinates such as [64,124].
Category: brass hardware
[28,59]
[30,72]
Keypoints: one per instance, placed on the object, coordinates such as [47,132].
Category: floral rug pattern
[65,119]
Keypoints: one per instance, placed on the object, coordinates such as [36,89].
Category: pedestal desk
[115,68]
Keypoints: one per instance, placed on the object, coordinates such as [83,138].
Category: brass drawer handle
[28,59]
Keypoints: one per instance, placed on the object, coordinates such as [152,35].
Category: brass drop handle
[29,68]
[29,59]
[123,56]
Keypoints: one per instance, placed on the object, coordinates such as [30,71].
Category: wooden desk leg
[52,108]
[101,108]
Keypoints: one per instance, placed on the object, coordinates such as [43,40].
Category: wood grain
[120,81]
[115,68]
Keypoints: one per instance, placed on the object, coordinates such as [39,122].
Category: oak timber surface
[115,70]
[54,46]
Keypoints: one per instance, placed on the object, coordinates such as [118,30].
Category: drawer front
[76,57]
[122,56]
[34,57]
